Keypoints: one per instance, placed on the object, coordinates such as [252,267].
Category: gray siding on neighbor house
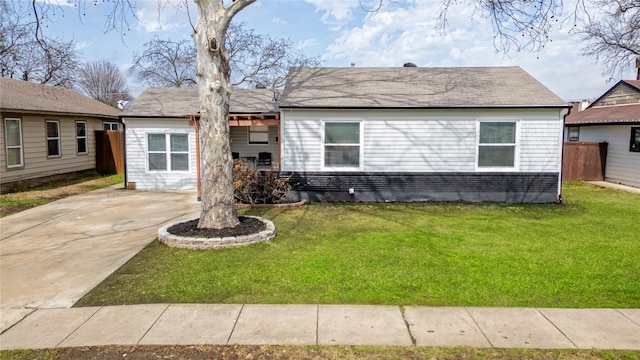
[36,163]
[137,160]
[623,166]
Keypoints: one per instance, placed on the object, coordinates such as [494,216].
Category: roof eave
[58,113]
[564,106]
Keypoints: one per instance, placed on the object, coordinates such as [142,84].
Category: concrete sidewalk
[52,255]
[180,324]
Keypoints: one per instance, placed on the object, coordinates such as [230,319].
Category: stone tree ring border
[199,243]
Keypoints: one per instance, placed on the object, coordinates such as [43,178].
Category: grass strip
[581,254]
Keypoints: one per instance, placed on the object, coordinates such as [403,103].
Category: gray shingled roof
[23,96]
[414,87]
[179,102]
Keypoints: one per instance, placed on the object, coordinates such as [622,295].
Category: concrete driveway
[52,255]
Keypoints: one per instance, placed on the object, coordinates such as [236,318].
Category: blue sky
[341,32]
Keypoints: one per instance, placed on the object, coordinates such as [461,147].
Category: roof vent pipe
[410,64]
[353,64]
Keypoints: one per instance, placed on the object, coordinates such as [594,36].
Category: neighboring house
[421,134]
[613,118]
[47,132]
[161,143]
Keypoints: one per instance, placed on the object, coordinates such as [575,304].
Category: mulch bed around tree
[247,226]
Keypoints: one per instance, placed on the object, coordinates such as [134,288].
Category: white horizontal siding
[419,145]
[240,143]
[136,155]
[422,140]
[301,143]
[540,142]
[623,166]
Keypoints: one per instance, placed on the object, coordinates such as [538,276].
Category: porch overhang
[269,119]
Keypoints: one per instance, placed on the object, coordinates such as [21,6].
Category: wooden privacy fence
[584,161]
[109,152]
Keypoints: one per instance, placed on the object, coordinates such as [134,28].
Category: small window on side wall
[573,133]
[634,145]
[110,126]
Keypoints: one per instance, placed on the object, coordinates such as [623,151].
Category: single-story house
[48,132]
[161,143]
[370,134]
[489,134]
[613,118]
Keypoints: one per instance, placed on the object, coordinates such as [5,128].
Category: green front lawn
[584,253]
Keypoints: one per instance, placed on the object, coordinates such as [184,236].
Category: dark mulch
[190,229]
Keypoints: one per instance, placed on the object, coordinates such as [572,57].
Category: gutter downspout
[564,120]
[124,148]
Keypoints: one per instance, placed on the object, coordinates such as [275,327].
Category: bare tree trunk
[213,75]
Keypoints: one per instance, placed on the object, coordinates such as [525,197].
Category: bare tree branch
[103,81]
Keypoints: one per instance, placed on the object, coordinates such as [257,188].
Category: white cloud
[81,45]
[277,20]
[166,15]
[409,32]
[307,43]
[335,12]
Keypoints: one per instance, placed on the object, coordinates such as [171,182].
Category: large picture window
[497,144]
[634,145]
[53,138]
[81,137]
[13,141]
[168,152]
[342,144]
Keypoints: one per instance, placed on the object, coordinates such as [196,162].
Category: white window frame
[360,145]
[573,138]
[7,146]
[110,123]
[167,152]
[49,138]
[516,145]
[82,137]
[249,132]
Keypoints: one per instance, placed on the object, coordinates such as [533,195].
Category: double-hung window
[53,138]
[81,137]
[634,144]
[13,141]
[342,144]
[497,145]
[168,152]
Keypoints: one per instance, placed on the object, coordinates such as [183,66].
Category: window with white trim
[634,144]
[258,135]
[53,138]
[81,137]
[342,146]
[13,141]
[110,125]
[573,133]
[168,152]
[497,144]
